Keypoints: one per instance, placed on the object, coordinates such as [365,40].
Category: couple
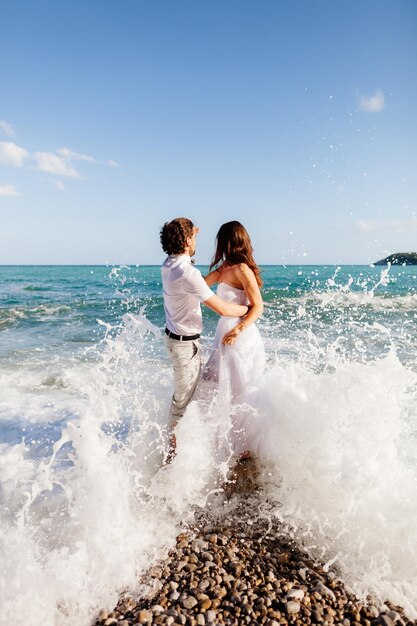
[237,359]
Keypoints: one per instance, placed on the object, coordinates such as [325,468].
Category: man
[184,290]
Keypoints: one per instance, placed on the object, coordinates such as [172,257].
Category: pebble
[325,591]
[241,572]
[295,594]
[372,611]
[316,616]
[396,617]
[174,595]
[205,604]
[144,616]
[199,545]
[293,607]
[189,602]
[204,584]
[212,538]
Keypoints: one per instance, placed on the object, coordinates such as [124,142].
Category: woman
[236,364]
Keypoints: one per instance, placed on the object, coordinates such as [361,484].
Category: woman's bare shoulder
[243,269]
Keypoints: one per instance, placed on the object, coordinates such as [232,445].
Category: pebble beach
[242,568]
[86,514]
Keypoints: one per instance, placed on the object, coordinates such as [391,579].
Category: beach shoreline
[243,568]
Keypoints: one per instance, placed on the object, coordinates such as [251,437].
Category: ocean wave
[42,312]
[351,299]
[10,317]
[81,523]
[36,288]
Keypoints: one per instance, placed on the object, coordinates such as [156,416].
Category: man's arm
[229,309]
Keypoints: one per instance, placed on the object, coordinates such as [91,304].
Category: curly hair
[174,235]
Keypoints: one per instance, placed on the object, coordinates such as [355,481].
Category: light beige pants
[186,360]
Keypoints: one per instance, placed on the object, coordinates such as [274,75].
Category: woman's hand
[230,337]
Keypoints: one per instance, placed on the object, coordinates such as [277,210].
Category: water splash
[86,512]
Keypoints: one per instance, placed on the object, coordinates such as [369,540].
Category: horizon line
[332,264]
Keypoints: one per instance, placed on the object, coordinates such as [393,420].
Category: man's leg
[186,360]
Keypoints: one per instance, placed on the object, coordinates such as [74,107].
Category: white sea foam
[345,469]
[80,523]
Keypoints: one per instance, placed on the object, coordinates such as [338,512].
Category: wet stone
[292,607]
[372,611]
[384,620]
[144,616]
[205,604]
[189,602]
[242,572]
[316,616]
[295,594]
[204,584]
[212,538]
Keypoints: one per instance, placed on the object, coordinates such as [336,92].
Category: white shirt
[184,290]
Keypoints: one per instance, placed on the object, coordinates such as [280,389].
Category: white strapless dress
[236,375]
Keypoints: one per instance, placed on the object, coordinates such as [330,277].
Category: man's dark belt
[181,337]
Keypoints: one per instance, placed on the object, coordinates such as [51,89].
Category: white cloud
[12,154]
[374,104]
[59,163]
[76,156]
[54,164]
[59,185]
[397,226]
[8,190]
[6,128]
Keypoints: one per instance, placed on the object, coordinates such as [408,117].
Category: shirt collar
[182,257]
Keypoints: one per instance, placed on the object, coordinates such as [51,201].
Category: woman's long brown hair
[234,246]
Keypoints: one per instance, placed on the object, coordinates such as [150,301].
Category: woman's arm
[251,287]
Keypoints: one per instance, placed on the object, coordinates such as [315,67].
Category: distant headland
[399,258]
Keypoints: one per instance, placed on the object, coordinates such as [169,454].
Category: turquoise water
[85,388]
[51,312]
[57,307]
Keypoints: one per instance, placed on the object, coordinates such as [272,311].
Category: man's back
[184,290]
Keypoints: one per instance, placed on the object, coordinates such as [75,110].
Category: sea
[86,504]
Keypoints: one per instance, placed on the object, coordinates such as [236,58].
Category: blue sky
[296,117]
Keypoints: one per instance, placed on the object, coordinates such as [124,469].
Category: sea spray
[346,487]
[84,522]
[86,503]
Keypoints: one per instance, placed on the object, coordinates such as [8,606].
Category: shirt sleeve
[194,284]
